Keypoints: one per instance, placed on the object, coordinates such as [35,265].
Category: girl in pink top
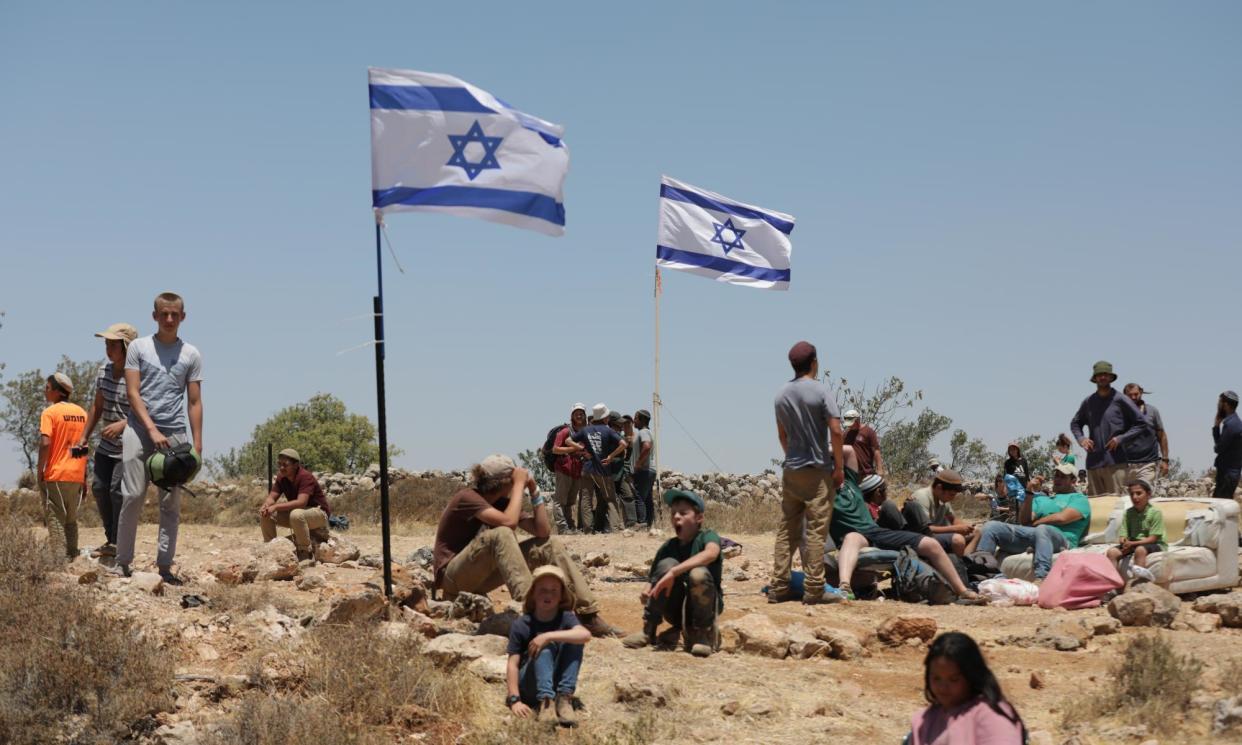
[967,706]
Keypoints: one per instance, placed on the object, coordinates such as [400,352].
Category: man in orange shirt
[62,465]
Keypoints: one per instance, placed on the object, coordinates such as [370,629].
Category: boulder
[631,692]
[1145,605]
[271,623]
[275,560]
[1204,623]
[309,582]
[353,604]
[804,644]
[490,669]
[1228,606]
[596,559]
[336,550]
[498,624]
[233,570]
[1063,634]
[898,629]
[1105,626]
[420,623]
[756,634]
[842,645]
[471,606]
[454,649]
[423,557]
[372,561]
[148,582]
[407,589]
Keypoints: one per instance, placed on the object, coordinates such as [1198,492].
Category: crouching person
[305,509]
[477,548]
[545,650]
[685,581]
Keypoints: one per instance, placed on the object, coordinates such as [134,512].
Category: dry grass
[260,720]
[414,500]
[1231,678]
[68,673]
[243,599]
[1152,685]
[752,515]
[644,729]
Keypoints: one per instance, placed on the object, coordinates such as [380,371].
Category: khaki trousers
[60,511]
[606,510]
[568,489]
[806,493]
[495,558]
[302,522]
[1145,471]
[1106,480]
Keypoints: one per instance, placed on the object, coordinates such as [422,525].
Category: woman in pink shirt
[967,706]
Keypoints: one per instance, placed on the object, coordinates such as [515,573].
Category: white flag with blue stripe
[439,144]
[713,236]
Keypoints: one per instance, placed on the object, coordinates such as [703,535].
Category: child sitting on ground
[967,705]
[1142,527]
[685,582]
[545,650]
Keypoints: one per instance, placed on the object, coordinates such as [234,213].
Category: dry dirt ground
[867,700]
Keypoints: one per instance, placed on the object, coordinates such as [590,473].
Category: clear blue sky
[989,197]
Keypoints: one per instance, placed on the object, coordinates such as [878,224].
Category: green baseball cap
[672,495]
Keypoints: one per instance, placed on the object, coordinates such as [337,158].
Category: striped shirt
[115,408]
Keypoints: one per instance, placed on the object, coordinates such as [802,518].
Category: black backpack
[549,457]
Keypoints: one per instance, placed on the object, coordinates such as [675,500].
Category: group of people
[604,470]
[145,394]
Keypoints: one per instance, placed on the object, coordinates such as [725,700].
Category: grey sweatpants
[136,448]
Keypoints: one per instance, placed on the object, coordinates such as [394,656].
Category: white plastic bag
[1002,591]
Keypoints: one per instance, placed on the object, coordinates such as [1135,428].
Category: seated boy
[545,650]
[1142,527]
[685,581]
[934,507]
[883,510]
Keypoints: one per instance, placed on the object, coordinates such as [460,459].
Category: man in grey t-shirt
[642,464]
[807,418]
[162,375]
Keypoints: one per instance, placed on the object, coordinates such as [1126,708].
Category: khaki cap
[950,477]
[291,454]
[119,332]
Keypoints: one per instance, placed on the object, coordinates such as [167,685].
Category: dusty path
[772,701]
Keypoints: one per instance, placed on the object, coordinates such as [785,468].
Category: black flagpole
[378,304]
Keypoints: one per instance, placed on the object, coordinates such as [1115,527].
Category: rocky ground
[787,675]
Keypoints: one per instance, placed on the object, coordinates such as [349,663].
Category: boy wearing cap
[866,444]
[684,584]
[570,484]
[477,548]
[163,379]
[1227,434]
[305,509]
[883,510]
[936,504]
[61,471]
[1142,527]
[1049,524]
[111,409]
[602,446]
[1113,421]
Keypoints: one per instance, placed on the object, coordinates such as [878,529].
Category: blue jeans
[554,671]
[1016,539]
[643,481]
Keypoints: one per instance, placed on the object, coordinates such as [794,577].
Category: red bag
[1078,581]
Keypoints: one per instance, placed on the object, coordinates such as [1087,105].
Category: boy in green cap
[685,581]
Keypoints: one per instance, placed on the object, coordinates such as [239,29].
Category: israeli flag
[439,144]
[713,236]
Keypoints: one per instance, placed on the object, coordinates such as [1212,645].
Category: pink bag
[1078,581]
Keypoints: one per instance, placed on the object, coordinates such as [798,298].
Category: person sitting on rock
[685,581]
[545,650]
[305,509]
[1142,527]
[1048,524]
[967,705]
[853,529]
[883,510]
[934,508]
[477,548]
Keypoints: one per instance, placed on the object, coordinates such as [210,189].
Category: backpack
[981,565]
[915,582]
[549,457]
[173,467]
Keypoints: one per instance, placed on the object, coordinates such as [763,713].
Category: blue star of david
[474,134]
[737,236]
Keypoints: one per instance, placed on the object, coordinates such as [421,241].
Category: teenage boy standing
[162,375]
[61,471]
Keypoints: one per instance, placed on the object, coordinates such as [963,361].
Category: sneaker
[640,639]
[565,715]
[119,570]
[600,628]
[545,709]
[700,642]
[827,598]
[669,637]
[171,579]
[781,597]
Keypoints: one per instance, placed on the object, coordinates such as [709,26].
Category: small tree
[970,457]
[880,407]
[24,402]
[327,437]
[532,460]
[906,444]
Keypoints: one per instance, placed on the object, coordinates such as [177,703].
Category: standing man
[162,374]
[62,464]
[1228,436]
[603,446]
[110,408]
[305,509]
[570,485]
[623,485]
[1114,421]
[806,418]
[866,445]
[1148,454]
[642,463]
